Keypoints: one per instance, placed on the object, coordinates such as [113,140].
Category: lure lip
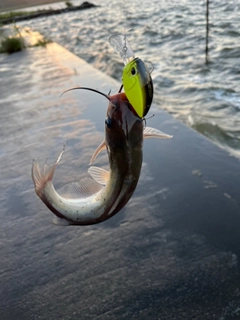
[119,43]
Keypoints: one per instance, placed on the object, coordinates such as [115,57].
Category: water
[171,35]
[171,253]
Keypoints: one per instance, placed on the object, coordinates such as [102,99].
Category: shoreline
[12,5]
[42,13]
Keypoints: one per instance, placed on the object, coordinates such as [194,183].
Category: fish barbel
[90,201]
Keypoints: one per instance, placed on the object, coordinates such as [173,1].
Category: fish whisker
[86,88]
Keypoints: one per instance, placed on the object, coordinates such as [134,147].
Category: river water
[170,35]
[173,251]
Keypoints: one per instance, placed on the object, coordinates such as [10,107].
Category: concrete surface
[171,253]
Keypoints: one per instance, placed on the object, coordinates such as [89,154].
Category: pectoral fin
[149,132]
[100,148]
[99,174]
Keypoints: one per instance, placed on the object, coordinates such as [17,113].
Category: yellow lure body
[138,86]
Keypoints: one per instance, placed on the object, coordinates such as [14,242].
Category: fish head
[138,86]
[123,127]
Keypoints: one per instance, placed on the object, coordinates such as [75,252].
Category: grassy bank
[19,39]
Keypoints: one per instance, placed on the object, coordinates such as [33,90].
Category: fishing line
[145,119]
[125,17]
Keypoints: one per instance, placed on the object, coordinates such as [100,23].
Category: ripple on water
[172,37]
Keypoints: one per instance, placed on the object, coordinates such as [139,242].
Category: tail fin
[41,176]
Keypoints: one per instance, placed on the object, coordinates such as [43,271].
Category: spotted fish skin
[91,201]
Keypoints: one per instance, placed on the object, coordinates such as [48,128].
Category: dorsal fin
[100,148]
[79,189]
[149,132]
[99,174]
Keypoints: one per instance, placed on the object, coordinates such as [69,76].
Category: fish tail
[41,176]
[44,175]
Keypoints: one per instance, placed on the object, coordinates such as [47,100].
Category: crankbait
[136,77]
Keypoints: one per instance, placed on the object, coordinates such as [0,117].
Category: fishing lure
[136,77]
[90,201]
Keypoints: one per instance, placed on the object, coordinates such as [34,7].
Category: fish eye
[108,122]
[133,71]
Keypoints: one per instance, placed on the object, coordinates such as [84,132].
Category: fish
[136,76]
[99,197]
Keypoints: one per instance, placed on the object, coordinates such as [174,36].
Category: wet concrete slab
[171,253]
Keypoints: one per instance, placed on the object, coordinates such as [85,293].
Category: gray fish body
[90,201]
[123,140]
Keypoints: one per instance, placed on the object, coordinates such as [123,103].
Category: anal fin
[79,189]
[60,222]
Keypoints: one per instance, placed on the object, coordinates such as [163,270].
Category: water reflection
[172,36]
[173,250]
